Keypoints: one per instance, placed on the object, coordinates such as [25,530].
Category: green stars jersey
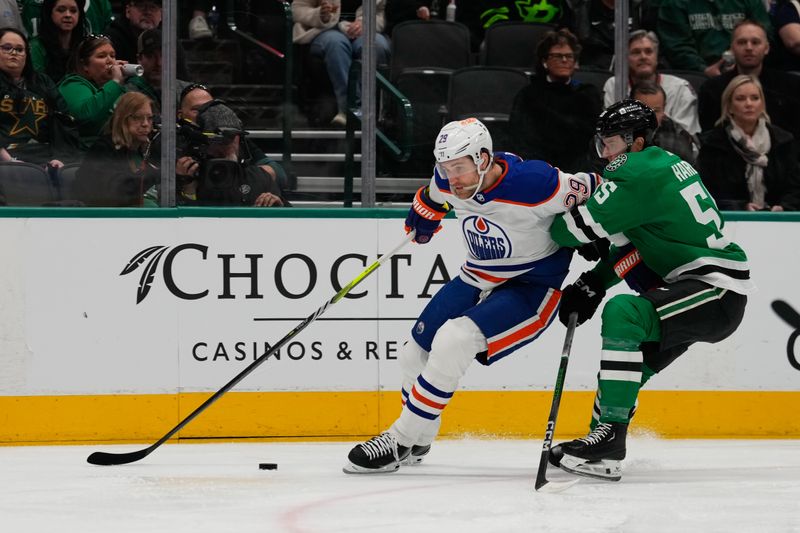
[659,203]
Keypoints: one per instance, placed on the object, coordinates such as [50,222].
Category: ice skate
[378,455]
[597,455]
[416,456]
[557,452]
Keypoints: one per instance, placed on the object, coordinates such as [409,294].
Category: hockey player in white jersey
[507,292]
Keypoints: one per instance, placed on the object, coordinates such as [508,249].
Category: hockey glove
[425,216]
[595,250]
[582,297]
[628,265]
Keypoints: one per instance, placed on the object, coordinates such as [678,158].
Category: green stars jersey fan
[659,203]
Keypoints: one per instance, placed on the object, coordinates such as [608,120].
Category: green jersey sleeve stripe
[578,234]
[581,224]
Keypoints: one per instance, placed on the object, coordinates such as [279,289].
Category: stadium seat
[25,184]
[431,43]
[596,77]
[486,93]
[513,44]
[67,180]
[424,55]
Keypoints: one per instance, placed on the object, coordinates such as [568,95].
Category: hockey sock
[422,410]
[627,322]
[453,349]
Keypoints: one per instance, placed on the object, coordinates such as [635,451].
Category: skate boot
[378,455]
[556,452]
[598,454]
[416,456]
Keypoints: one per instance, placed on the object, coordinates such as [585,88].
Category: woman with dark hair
[746,162]
[92,86]
[62,28]
[553,118]
[118,170]
[34,125]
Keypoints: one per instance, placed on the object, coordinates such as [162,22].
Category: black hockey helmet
[630,119]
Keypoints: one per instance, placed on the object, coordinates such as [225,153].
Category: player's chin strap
[481,174]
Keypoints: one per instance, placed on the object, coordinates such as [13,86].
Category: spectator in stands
[782,91]
[62,28]
[34,126]
[92,86]
[670,135]
[98,15]
[149,57]
[695,33]
[194,97]
[118,171]
[554,117]
[9,15]
[335,35]
[642,66]
[139,15]
[786,20]
[747,163]
[222,177]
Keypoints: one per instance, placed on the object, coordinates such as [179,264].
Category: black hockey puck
[267,466]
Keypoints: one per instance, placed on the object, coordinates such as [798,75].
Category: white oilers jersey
[506,227]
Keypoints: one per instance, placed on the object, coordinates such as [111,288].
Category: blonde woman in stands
[746,162]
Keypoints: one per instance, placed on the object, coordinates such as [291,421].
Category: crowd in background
[70,94]
[81,84]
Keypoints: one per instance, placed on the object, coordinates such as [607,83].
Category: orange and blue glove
[425,216]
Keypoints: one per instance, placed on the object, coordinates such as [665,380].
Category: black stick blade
[787,313]
[109,459]
[555,486]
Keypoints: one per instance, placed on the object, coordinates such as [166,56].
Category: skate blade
[350,468]
[412,460]
[605,470]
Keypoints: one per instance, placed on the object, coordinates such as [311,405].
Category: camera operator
[210,169]
[195,96]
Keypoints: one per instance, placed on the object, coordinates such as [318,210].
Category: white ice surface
[465,486]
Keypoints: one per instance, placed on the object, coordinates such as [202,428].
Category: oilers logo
[485,239]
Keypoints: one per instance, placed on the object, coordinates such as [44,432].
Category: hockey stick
[542,484]
[108,458]
[787,313]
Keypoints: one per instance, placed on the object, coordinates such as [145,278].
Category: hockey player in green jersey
[668,244]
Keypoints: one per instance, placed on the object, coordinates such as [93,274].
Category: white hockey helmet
[468,137]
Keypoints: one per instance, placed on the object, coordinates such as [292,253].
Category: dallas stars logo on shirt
[27,120]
